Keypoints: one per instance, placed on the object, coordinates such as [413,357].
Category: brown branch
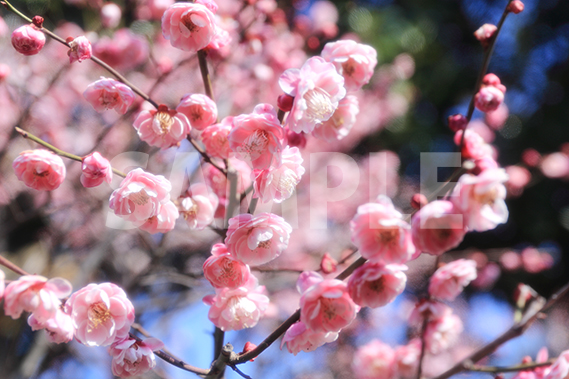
[536,307]
[9,265]
[521,367]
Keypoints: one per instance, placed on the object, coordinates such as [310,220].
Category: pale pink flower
[209,4]
[140,196]
[188,26]
[278,184]
[560,368]
[199,109]
[223,270]
[215,138]
[474,146]
[407,359]
[555,165]
[488,98]
[442,333]
[39,169]
[198,206]
[131,357]
[109,94]
[79,49]
[36,294]
[485,33]
[101,314]
[300,338]
[257,239]
[481,199]
[110,15]
[221,39]
[237,308]
[28,39]
[339,125]
[95,170]
[430,310]
[164,221]
[163,127]
[59,326]
[124,51]
[257,138]
[449,281]
[317,89]
[326,306]
[306,280]
[374,285]
[437,227]
[375,360]
[518,178]
[381,234]
[354,61]
[516,6]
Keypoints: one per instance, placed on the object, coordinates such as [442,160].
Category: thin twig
[9,265]
[57,151]
[521,367]
[93,58]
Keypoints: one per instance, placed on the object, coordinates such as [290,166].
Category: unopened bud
[485,33]
[516,6]
[418,201]
[328,264]
[284,102]
[457,122]
[38,21]
[247,348]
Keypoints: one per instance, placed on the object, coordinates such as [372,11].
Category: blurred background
[428,64]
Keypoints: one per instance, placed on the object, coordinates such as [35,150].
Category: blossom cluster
[95,315]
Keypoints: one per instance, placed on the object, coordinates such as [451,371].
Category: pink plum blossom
[2,283]
[317,89]
[375,360]
[437,227]
[188,26]
[300,338]
[257,239]
[354,61]
[215,138]
[516,6]
[110,15]
[560,368]
[79,49]
[140,196]
[407,359]
[39,169]
[278,184]
[109,94]
[95,170]
[198,206]
[374,285]
[199,109]
[326,306]
[237,308]
[442,333]
[257,138]
[164,221]
[124,51]
[488,99]
[36,294]
[428,309]
[449,281]
[339,125]
[481,199]
[222,270]
[131,357]
[59,327]
[101,314]
[28,39]
[163,127]
[474,146]
[381,234]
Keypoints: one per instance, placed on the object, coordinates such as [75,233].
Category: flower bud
[457,122]
[28,40]
[516,6]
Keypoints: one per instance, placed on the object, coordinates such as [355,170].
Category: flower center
[377,285]
[164,120]
[97,314]
[254,145]
[190,209]
[109,99]
[319,105]
[286,182]
[187,21]
[139,198]
[348,67]
[328,308]
[387,236]
[264,244]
